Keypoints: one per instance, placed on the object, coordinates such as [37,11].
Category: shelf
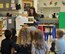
[50,7]
[49,20]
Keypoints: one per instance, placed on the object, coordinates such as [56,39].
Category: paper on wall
[9,21]
[12,1]
[7,5]
[4,23]
[1,5]
[13,6]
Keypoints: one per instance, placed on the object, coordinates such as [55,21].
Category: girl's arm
[33,50]
[46,52]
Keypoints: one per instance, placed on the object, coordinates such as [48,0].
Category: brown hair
[32,35]
[38,39]
[34,13]
[60,33]
[38,35]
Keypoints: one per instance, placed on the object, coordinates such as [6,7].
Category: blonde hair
[22,38]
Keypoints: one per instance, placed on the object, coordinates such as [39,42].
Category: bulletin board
[8,4]
[62,20]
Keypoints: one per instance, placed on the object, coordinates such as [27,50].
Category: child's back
[6,46]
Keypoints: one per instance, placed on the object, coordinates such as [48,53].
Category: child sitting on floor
[7,44]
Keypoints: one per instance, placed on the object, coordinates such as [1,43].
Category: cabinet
[0,28]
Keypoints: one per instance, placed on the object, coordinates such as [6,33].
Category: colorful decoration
[51,2]
[45,4]
[4,20]
[63,2]
[55,3]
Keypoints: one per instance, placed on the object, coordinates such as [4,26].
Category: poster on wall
[13,6]
[4,25]
[1,5]
[7,5]
[12,1]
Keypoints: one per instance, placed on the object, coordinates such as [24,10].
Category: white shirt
[41,51]
[60,46]
[20,20]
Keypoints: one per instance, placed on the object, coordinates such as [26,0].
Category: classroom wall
[35,5]
[13,11]
[20,2]
[41,4]
[59,4]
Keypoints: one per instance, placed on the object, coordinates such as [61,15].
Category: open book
[30,19]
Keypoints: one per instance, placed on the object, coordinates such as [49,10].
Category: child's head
[32,12]
[38,37]
[59,33]
[7,34]
[53,44]
[52,47]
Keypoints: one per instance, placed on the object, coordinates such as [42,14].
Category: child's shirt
[41,51]
[6,46]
